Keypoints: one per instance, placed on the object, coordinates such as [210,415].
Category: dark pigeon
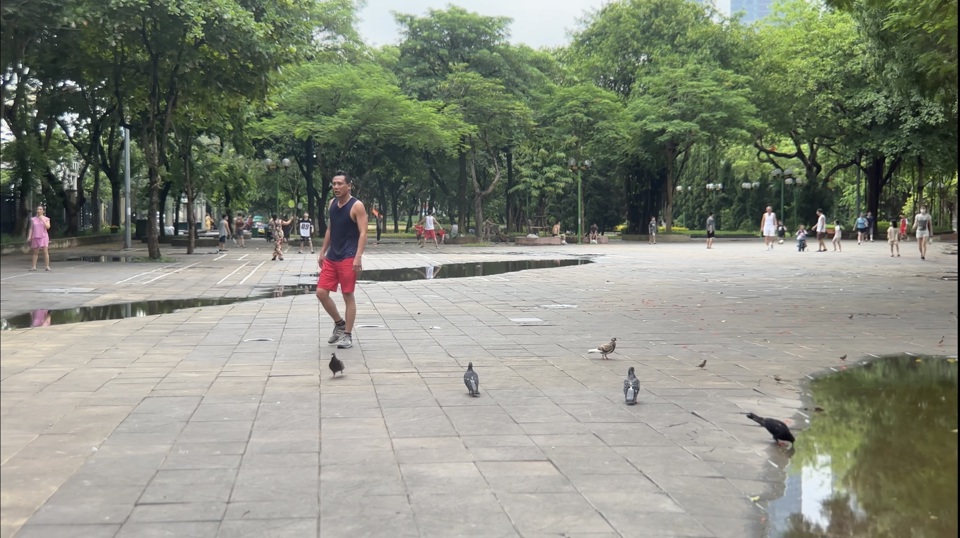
[336,365]
[779,430]
[472,381]
[631,387]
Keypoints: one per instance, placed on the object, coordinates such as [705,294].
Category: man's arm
[359,214]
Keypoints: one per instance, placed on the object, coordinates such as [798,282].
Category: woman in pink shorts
[39,238]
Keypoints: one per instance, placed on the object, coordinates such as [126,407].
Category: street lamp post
[271,165]
[785,175]
[796,182]
[683,214]
[579,167]
[715,187]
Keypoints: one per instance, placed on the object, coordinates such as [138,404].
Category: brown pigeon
[605,349]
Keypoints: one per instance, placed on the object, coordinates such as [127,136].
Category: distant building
[752,10]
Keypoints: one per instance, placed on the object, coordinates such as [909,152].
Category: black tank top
[344,234]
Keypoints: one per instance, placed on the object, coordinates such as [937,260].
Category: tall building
[753,10]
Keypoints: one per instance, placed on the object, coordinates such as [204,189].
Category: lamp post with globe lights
[797,182]
[683,214]
[715,188]
[784,175]
[272,165]
[579,167]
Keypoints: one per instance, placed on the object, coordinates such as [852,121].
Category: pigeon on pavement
[336,365]
[605,349]
[631,387]
[703,364]
[843,357]
[472,381]
[777,429]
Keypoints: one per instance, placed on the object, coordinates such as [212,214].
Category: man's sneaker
[346,341]
[338,330]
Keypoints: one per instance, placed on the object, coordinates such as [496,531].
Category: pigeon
[777,378]
[631,387]
[850,316]
[336,365]
[940,343]
[777,429]
[703,364]
[843,357]
[472,381]
[605,349]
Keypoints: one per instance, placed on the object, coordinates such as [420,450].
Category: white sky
[537,23]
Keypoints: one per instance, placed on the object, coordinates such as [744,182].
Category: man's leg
[350,308]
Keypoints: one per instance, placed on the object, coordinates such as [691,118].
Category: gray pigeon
[631,387]
[336,365]
[472,381]
[605,349]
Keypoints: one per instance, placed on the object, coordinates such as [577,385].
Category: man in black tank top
[340,258]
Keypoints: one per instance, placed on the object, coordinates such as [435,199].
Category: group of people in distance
[773,230]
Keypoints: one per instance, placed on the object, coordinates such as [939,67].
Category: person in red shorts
[340,258]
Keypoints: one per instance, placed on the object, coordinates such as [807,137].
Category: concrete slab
[225,421]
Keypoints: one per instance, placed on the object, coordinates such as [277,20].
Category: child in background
[837,232]
[781,232]
[893,237]
[801,238]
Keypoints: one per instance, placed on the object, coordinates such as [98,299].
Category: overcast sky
[537,23]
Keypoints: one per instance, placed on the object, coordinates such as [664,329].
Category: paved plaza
[224,421]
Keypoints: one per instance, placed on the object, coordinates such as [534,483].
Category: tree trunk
[511,221]
[668,192]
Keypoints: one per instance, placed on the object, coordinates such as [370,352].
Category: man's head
[306,216]
[819,212]
[769,209]
[710,214]
[223,216]
[923,209]
[342,184]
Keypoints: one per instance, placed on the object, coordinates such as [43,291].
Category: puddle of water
[880,460]
[98,259]
[459,270]
[42,317]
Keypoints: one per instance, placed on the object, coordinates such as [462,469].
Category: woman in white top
[923,225]
[768,227]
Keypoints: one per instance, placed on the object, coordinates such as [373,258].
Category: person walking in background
[39,238]
[341,258]
[903,227]
[711,229]
[378,221]
[306,233]
[821,230]
[837,234]
[652,231]
[801,238]
[861,226]
[923,225]
[594,233]
[781,232]
[893,238]
[430,230]
[871,222]
[239,223]
[418,228]
[224,231]
[208,223]
[768,227]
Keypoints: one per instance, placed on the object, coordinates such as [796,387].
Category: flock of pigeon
[631,389]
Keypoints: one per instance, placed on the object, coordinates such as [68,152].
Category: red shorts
[337,273]
[430,234]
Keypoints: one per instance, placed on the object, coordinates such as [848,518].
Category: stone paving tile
[215,434]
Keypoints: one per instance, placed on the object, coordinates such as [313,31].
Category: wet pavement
[224,420]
